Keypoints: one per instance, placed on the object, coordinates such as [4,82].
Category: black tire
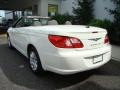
[38,70]
[9,43]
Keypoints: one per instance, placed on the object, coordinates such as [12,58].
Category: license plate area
[97,59]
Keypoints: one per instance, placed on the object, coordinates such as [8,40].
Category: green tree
[84,11]
[114,32]
[116,13]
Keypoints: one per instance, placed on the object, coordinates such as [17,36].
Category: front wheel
[34,61]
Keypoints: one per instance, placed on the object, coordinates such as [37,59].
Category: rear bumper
[76,61]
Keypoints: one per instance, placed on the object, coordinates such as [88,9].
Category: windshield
[36,21]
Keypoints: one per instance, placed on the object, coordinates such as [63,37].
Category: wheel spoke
[33,61]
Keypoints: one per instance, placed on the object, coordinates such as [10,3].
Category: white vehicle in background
[63,49]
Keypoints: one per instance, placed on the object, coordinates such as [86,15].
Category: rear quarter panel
[40,42]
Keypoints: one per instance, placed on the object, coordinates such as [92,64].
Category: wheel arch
[28,48]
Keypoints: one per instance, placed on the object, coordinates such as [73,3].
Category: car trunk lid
[91,40]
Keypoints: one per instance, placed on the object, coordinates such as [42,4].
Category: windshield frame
[31,17]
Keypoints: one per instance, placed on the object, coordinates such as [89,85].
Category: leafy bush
[115,27]
[114,34]
[101,23]
[116,14]
[62,18]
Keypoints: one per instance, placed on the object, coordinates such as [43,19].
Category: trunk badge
[95,39]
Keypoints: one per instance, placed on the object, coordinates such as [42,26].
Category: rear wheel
[34,61]
[9,43]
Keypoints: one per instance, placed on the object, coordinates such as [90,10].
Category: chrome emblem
[95,39]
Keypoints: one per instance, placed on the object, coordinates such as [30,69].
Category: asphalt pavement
[116,52]
[15,74]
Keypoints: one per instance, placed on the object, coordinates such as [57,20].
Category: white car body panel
[59,60]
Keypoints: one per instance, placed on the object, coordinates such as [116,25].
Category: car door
[20,36]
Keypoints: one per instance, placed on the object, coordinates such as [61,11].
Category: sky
[2,13]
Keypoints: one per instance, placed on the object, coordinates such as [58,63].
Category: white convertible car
[63,49]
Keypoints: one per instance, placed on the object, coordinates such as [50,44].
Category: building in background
[52,7]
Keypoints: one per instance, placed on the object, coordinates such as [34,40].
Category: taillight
[65,42]
[106,41]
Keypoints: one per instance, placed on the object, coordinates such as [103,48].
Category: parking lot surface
[15,74]
[116,52]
